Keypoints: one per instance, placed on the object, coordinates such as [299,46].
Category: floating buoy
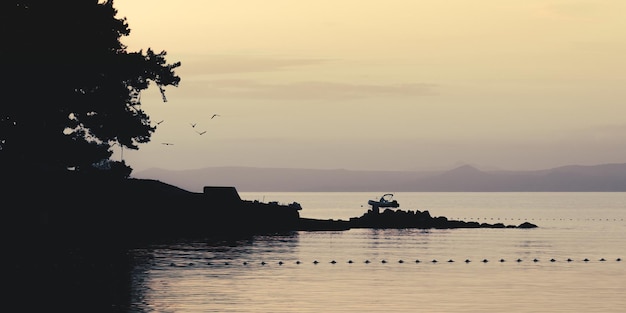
[401,261]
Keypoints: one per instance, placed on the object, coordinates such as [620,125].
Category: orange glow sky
[384,85]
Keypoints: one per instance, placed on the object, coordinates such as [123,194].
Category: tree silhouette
[69,87]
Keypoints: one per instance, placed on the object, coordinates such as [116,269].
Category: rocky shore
[138,210]
[399,219]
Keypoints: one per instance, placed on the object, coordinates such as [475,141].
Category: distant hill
[465,178]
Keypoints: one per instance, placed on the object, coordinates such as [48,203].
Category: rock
[527,225]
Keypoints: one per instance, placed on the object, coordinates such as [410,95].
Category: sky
[384,85]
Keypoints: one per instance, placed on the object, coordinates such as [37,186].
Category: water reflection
[279,273]
[167,266]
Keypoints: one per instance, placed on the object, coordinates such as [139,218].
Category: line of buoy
[536,219]
[384,261]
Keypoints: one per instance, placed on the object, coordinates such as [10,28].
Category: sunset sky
[384,85]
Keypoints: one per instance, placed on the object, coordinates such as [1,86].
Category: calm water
[366,270]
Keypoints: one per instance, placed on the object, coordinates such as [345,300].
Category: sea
[574,261]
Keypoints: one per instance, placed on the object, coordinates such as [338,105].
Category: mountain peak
[465,169]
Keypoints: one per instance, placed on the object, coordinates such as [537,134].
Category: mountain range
[465,178]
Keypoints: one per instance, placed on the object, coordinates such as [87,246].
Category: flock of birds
[193,125]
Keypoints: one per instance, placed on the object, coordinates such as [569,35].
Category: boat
[386,201]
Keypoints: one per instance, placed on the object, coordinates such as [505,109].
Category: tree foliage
[70,89]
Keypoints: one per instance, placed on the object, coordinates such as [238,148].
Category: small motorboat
[386,201]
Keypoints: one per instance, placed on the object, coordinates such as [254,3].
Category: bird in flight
[167,143]
[201,133]
[159,122]
[214,115]
[193,124]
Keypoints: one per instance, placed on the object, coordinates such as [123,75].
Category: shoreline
[129,211]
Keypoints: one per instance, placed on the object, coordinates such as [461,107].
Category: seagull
[214,115]
[193,124]
[201,133]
